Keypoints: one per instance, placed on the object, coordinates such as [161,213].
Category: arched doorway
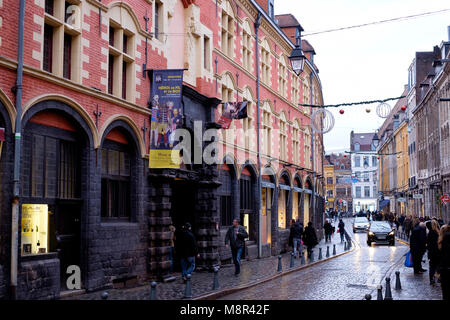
[284,194]
[56,154]
[247,186]
[307,202]
[297,200]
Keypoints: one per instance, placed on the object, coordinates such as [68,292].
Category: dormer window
[271,9]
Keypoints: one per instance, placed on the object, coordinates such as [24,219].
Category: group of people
[184,245]
[429,235]
[300,236]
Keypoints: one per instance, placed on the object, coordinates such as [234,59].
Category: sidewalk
[253,271]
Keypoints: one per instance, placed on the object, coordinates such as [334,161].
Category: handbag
[408,260]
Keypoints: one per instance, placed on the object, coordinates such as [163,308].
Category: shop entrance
[65,229]
[183,209]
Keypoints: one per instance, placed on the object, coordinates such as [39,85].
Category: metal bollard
[320,253]
[105,295]
[379,292]
[345,246]
[334,249]
[368,297]
[280,267]
[398,285]
[349,244]
[292,260]
[188,290]
[302,258]
[216,279]
[328,252]
[388,293]
[311,258]
[153,291]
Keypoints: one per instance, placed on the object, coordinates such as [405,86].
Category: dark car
[381,232]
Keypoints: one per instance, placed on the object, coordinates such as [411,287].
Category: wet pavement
[346,277]
[251,272]
[349,277]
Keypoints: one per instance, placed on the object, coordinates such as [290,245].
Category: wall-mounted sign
[401,199]
[445,199]
[417,196]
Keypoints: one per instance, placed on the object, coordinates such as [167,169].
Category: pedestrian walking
[296,233]
[418,246]
[187,250]
[341,229]
[401,220]
[432,247]
[310,238]
[328,228]
[236,236]
[444,265]
[408,225]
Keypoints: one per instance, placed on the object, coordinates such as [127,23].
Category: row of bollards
[388,292]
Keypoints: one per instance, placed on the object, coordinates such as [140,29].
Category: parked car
[360,223]
[380,232]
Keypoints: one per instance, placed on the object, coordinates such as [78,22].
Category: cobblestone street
[347,277]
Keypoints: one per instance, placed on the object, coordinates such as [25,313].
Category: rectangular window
[125,44]
[358,192]
[225,200]
[158,7]
[48,48]
[367,192]
[110,74]
[68,171]
[357,162]
[375,191]
[67,56]
[124,80]
[374,161]
[111,36]
[206,53]
[49,5]
[246,194]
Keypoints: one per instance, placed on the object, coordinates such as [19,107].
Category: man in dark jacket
[417,245]
[341,227]
[296,235]
[186,248]
[236,236]
[328,228]
[310,238]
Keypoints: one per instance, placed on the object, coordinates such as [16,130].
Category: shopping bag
[408,260]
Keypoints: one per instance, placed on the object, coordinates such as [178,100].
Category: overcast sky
[365,63]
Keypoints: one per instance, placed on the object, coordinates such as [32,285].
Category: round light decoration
[322,121]
[368,110]
[383,110]
[341,111]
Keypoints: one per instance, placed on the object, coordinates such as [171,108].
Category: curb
[401,241]
[224,292]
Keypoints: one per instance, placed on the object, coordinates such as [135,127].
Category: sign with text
[445,199]
[231,111]
[166,117]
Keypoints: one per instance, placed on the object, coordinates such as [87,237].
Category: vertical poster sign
[166,104]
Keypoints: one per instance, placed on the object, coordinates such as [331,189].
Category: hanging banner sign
[231,111]
[166,117]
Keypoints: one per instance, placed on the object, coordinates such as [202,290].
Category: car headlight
[391,233]
[371,233]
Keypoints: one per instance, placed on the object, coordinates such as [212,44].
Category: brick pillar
[158,226]
[208,220]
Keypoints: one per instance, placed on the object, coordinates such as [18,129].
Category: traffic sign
[445,199]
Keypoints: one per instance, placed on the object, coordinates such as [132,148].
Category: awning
[383,203]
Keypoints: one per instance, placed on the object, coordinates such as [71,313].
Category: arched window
[225,197]
[295,90]
[228,29]
[296,143]
[247,47]
[121,58]
[282,76]
[248,123]
[267,128]
[116,172]
[265,62]
[283,138]
[307,154]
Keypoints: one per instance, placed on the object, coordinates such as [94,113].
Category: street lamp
[297,57]
[375,140]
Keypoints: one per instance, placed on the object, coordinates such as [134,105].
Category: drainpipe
[17,154]
[258,200]
[312,153]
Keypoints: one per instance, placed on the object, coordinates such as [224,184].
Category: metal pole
[313,157]
[17,154]
[258,200]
